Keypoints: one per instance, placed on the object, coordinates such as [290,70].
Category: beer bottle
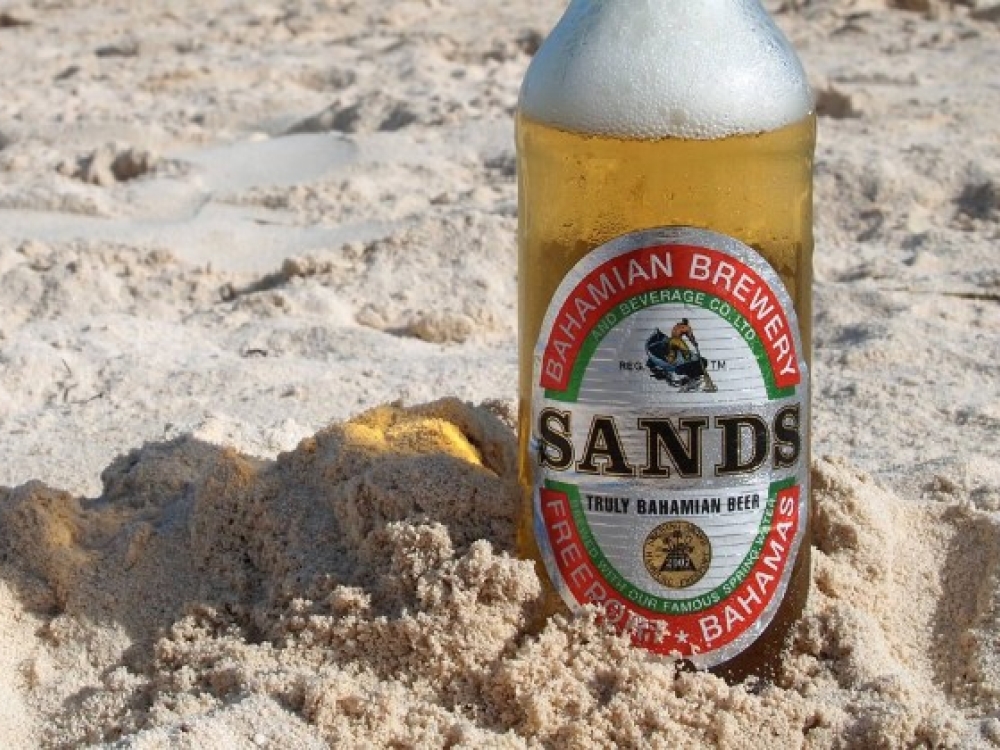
[665,259]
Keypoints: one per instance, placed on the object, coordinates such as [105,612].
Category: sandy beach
[258,371]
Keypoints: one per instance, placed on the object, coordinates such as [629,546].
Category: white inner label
[669,415]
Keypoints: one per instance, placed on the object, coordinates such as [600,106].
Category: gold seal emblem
[677,554]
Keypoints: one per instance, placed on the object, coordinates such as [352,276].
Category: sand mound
[110,164]
[363,588]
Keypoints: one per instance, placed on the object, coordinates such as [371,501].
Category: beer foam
[653,68]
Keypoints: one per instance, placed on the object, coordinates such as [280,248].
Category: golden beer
[580,189]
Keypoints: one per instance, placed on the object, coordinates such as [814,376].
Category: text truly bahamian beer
[665,169]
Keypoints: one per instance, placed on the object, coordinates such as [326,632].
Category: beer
[665,248]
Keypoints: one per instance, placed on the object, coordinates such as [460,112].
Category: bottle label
[669,418]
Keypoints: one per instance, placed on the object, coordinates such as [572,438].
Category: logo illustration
[676,359]
[677,554]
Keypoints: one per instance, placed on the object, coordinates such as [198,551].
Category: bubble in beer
[703,88]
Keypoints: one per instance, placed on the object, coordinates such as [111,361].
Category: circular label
[677,554]
[669,409]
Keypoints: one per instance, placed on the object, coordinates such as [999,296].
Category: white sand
[225,227]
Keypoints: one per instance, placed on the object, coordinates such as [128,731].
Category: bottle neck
[679,9]
[657,68]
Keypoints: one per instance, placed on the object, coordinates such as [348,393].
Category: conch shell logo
[677,554]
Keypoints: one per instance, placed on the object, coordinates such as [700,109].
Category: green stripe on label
[650,601]
[638,303]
